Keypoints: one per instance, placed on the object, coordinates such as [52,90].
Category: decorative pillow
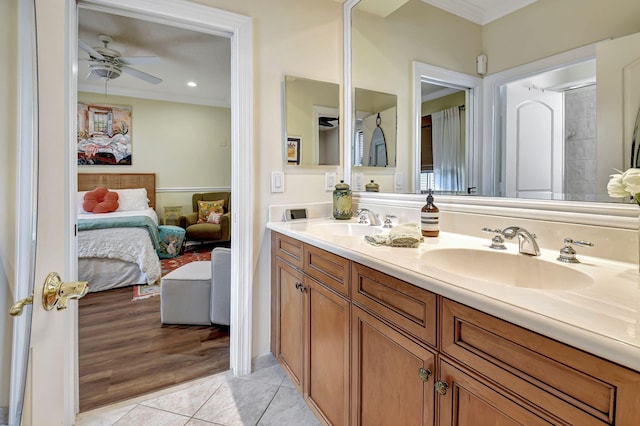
[214,218]
[132,199]
[205,208]
[100,200]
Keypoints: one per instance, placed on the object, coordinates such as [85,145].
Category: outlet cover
[358,182]
[330,181]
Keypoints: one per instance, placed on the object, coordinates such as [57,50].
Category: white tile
[103,416]
[188,401]
[287,382]
[237,402]
[147,416]
[196,422]
[272,375]
[288,408]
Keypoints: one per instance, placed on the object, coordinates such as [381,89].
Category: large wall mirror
[312,122]
[598,99]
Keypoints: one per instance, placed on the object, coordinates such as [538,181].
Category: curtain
[448,151]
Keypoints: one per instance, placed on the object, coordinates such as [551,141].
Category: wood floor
[124,350]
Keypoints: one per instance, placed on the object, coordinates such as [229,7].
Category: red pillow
[100,200]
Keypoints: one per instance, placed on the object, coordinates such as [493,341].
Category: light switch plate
[358,182]
[398,182]
[329,181]
[277,181]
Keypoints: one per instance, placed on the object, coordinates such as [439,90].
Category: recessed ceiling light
[192,84]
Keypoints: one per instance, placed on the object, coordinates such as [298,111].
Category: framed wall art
[104,134]
[293,149]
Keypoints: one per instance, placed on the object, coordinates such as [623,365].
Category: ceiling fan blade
[90,50]
[141,75]
[139,60]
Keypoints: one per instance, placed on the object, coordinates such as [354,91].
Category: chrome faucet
[527,241]
[366,216]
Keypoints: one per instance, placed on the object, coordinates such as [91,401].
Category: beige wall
[383,51]
[8,120]
[186,146]
[290,37]
[548,27]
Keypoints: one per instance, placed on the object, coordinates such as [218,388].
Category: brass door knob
[16,309]
[56,293]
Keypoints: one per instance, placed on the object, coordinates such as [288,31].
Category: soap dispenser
[430,218]
[342,201]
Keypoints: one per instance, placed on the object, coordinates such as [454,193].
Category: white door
[534,153]
[51,383]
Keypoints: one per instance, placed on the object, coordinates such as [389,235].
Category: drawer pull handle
[300,287]
[424,374]
[441,387]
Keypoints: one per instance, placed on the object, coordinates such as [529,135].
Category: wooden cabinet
[546,376]
[326,381]
[367,348]
[409,307]
[310,320]
[288,320]
[392,375]
[466,400]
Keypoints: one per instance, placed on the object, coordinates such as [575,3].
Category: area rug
[168,265]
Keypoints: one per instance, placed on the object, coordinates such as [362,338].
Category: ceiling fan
[327,121]
[108,64]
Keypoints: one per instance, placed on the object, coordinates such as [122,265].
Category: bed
[118,249]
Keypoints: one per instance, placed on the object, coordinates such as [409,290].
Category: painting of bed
[104,134]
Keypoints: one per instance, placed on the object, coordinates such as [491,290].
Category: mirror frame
[577,212]
[473,95]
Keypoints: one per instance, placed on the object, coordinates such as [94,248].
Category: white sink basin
[344,228]
[511,269]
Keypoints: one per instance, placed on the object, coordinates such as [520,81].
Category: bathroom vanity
[369,336]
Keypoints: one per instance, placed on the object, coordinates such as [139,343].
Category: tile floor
[265,397]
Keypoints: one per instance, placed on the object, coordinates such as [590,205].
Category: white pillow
[132,199]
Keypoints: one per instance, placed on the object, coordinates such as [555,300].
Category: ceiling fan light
[106,71]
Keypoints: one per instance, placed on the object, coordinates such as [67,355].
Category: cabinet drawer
[404,305]
[573,385]
[328,268]
[287,248]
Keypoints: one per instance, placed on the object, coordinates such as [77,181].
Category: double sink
[506,268]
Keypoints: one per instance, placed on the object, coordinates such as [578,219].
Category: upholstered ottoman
[170,238]
[185,295]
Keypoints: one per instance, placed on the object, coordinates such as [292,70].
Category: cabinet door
[391,380]
[326,382]
[288,319]
[467,401]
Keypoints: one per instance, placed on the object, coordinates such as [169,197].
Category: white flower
[631,181]
[616,187]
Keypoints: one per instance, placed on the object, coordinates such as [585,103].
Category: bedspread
[127,244]
[144,222]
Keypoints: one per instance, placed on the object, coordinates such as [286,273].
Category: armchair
[208,232]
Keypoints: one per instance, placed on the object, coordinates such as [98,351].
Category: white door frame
[239,29]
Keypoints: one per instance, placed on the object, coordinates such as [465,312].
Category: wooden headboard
[90,181]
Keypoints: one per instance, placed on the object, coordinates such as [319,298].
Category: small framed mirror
[311,122]
[374,139]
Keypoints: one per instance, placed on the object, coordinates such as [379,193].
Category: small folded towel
[405,235]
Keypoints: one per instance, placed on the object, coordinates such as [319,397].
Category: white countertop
[603,318]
